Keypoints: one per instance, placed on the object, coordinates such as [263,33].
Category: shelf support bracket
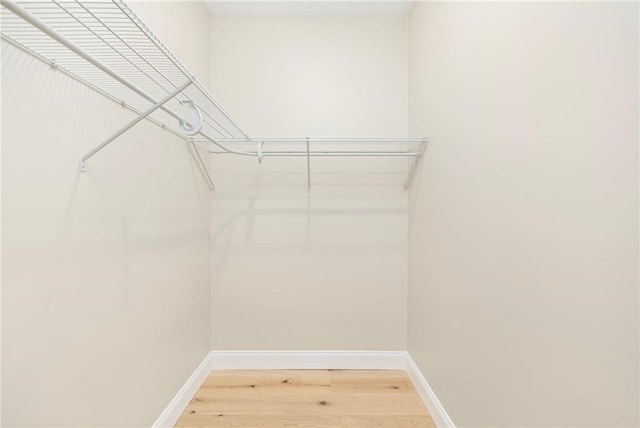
[203,167]
[414,165]
[131,124]
[308,165]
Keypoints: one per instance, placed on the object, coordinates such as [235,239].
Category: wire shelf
[325,146]
[105,46]
[115,37]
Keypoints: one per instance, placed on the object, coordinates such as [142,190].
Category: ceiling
[317,7]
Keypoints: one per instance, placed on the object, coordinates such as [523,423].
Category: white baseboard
[174,410]
[435,408]
[301,360]
[310,360]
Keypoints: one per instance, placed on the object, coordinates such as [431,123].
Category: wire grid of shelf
[104,45]
[113,35]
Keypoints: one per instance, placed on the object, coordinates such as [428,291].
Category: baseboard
[435,408]
[310,360]
[174,410]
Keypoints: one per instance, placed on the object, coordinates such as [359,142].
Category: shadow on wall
[94,261]
[270,205]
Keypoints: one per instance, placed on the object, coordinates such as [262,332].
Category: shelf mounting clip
[196,126]
[260,153]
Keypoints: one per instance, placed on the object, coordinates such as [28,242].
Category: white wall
[523,248]
[324,269]
[105,279]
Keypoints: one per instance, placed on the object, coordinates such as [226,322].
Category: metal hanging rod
[326,146]
[329,154]
[385,140]
[105,46]
[408,147]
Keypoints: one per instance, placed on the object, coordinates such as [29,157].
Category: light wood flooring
[307,399]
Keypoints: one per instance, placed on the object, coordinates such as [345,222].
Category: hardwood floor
[307,399]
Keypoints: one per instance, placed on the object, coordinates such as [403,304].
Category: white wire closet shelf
[105,46]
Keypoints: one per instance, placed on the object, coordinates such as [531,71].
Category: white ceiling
[317,7]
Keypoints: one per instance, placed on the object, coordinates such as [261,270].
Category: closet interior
[205,185]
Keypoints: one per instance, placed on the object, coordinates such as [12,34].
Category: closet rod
[383,140]
[349,146]
[328,154]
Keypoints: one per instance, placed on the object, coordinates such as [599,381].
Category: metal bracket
[203,167]
[414,165]
[131,124]
[308,165]
[260,154]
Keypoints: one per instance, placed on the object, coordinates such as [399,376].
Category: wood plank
[396,383]
[311,403]
[268,378]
